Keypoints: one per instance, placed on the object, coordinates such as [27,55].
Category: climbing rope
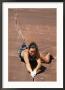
[18,29]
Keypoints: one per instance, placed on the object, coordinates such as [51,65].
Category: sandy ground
[37,25]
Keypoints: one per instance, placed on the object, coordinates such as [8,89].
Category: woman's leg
[45,58]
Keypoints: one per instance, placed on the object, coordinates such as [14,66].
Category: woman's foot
[47,58]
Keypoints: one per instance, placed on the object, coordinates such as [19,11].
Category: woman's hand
[33,73]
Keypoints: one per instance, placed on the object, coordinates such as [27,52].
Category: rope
[20,33]
[18,29]
[33,79]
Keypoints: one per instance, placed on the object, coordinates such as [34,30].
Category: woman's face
[32,51]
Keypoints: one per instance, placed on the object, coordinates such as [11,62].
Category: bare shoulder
[26,56]
[26,52]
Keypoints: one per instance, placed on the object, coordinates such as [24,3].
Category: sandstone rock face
[37,25]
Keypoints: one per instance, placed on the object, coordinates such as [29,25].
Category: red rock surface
[37,25]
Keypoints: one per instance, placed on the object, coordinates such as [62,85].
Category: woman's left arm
[38,65]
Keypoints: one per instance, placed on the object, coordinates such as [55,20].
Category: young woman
[32,58]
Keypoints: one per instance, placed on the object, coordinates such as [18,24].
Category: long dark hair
[33,45]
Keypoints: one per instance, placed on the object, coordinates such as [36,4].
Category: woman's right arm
[26,59]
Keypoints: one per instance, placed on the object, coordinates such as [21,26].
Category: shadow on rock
[51,58]
[42,69]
